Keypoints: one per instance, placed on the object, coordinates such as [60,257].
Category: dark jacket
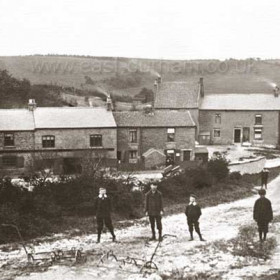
[193,212]
[153,203]
[102,207]
[263,210]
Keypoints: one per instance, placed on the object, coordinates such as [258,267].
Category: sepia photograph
[139,140]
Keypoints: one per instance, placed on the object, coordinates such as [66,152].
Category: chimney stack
[148,109]
[159,80]
[201,87]
[155,86]
[276,91]
[109,103]
[31,105]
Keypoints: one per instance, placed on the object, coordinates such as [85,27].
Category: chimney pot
[201,87]
[109,103]
[148,109]
[31,105]
[276,91]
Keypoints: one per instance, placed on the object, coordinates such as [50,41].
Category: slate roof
[55,118]
[159,118]
[240,101]
[16,119]
[73,117]
[177,95]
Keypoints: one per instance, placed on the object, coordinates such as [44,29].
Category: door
[246,134]
[237,135]
[186,155]
[170,157]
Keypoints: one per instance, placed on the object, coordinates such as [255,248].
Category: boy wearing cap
[103,214]
[154,209]
[193,212]
[263,214]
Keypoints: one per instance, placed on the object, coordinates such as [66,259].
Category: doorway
[246,134]
[186,155]
[237,135]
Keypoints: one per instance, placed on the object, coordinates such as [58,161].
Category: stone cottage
[146,138]
[57,138]
[238,118]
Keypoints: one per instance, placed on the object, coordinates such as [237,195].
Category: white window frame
[261,133]
[170,132]
[261,118]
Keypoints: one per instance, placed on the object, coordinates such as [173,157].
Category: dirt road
[175,255]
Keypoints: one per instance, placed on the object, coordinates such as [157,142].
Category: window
[9,139]
[96,140]
[170,134]
[9,161]
[258,119]
[48,141]
[218,118]
[217,133]
[133,136]
[132,156]
[258,133]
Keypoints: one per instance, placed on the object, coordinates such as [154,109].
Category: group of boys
[154,210]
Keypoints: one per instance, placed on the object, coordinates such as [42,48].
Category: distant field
[124,76]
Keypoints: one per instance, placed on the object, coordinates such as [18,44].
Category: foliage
[218,166]
[36,212]
[125,81]
[201,178]
[235,176]
[12,89]
[146,94]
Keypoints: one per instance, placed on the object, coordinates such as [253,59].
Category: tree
[148,95]
[12,89]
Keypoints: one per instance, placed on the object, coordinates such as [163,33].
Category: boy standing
[154,209]
[193,213]
[264,177]
[263,214]
[103,214]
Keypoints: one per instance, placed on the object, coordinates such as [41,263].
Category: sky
[177,29]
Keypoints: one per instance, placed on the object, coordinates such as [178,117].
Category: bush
[201,178]
[235,176]
[218,166]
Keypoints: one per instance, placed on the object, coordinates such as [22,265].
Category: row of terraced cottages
[181,114]
[68,138]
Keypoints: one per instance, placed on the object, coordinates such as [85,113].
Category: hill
[127,76]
